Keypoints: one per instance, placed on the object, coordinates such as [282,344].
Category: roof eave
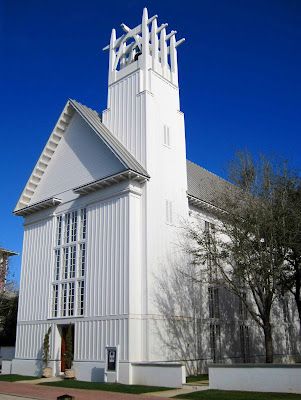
[41,205]
[110,180]
[202,204]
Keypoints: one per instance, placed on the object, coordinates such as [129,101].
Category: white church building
[102,210]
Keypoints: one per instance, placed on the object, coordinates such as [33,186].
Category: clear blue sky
[240,79]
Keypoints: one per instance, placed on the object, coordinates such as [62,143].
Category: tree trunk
[298,302]
[298,291]
[268,340]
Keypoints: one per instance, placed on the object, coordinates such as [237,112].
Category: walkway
[175,392]
[32,391]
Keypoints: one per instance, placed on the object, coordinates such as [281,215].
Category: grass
[109,387]
[15,378]
[197,378]
[235,395]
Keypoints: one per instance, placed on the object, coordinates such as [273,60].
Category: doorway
[63,332]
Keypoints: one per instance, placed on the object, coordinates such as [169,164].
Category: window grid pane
[82,259]
[69,264]
[59,221]
[67,228]
[83,223]
[64,300]
[66,262]
[73,226]
[215,342]
[213,301]
[55,300]
[71,299]
[57,264]
[72,262]
[80,298]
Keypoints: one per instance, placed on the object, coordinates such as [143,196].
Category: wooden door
[64,330]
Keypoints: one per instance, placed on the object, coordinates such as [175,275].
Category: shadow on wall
[201,326]
[39,363]
[97,374]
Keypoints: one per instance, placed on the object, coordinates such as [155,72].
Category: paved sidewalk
[51,393]
[184,390]
[10,397]
[40,380]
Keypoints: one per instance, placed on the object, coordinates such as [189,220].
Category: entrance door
[64,329]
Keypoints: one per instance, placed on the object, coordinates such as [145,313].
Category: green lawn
[14,378]
[234,395]
[109,387]
[197,378]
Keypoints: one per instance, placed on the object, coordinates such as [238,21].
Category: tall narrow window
[82,259]
[244,343]
[213,300]
[168,211]
[67,227]
[83,214]
[64,297]
[73,226]
[59,221]
[212,269]
[55,296]
[72,262]
[166,137]
[243,312]
[57,264]
[215,342]
[66,262]
[80,297]
[71,299]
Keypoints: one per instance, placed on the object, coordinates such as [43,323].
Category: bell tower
[136,60]
[143,112]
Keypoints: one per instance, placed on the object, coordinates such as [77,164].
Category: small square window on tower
[166,138]
[168,211]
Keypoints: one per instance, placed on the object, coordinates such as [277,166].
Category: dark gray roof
[93,119]
[205,185]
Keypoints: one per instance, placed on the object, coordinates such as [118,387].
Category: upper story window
[242,308]
[166,136]
[168,211]
[70,264]
[59,222]
[213,300]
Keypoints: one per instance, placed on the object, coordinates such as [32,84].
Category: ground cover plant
[197,378]
[15,378]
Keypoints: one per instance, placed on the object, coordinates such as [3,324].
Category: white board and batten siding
[112,269]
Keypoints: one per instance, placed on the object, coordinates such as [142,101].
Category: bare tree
[8,303]
[291,278]
[248,247]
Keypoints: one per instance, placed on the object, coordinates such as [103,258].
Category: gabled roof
[205,185]
[93,119]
